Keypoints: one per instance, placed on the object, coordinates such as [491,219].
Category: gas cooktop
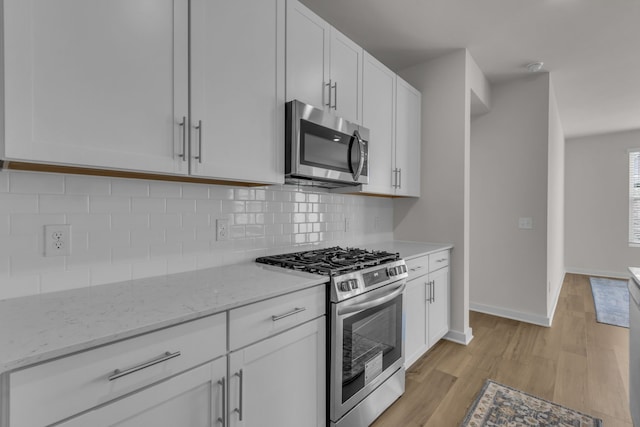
[330,261]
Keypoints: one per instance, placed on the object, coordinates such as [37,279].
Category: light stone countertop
[409,250]
[635,273]
[38,328]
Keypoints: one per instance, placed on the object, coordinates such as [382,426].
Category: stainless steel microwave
[323,150]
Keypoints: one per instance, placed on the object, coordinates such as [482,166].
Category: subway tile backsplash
[127,229]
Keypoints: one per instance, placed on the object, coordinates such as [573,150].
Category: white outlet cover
[222,229]
[57,240]
[525,223]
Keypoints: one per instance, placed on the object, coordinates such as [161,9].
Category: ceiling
[590,47]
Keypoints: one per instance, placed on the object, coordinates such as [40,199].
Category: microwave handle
[356,136]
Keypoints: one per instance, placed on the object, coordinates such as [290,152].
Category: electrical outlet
[222,229]
[57,240]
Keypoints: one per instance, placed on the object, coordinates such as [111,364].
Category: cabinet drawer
[69,385]
[438,260]
[418,266]
[254,322]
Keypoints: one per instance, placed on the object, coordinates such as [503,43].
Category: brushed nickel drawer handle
[291,313]
[441,260]
[420,267]
[166,356]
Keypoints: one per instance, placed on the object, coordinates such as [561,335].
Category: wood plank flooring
[577,362]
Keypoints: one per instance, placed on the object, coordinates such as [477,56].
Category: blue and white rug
[612,301]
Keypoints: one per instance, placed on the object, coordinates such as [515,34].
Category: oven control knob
[392,271]
[344,286]
[354,284]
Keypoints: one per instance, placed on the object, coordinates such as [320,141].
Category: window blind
[634,197]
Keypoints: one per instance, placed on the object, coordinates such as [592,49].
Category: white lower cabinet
[280,381]
[427,304]
[191,399]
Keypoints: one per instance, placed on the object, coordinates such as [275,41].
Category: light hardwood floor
[577,362]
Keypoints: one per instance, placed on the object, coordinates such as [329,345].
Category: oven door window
[372,341]
[326,148]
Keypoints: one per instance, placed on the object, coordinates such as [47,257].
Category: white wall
[509,180]
[597,204]
[125,228]
[439,214]
[555,204]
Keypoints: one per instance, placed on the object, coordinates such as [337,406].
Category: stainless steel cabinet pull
[433,291]
[166,356]
[199,129]
[395,178]
[419,267]
[400,175]
[183,125]
[442,260]
[291,313]
[223,384]
[328,85]
[239,408]
[335,96]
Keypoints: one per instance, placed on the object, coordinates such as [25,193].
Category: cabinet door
[439,307]
[416,316]
[378,115]
[280,381]
[346,77]
[191,399]
[100,83]
[308,39]
[407,153]
[237,90]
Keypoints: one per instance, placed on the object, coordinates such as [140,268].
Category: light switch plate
[525,223]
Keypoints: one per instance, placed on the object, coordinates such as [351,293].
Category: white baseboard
[589,272]
[463,338]
[556,298]
[511,314]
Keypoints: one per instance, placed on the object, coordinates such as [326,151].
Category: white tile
[313,237]
[195,220]
[4,269]
[273,207]
[89,257]
[205,233]
[129,221]
[109,204]
[230,206]
[4,181]
[129,187]
[299,238]
[18,203]
[254,207]
[109,239]
[281,196]
[260,218]
[33,224]
[303,207]
[165,250]
[244,194]
[261,194]
[143,238]
[36,183]
[273,229]
[110,273]
[148,205]
[236,232]
[209,260]
[79,241]
[181,206]
[4,226]
[164,221]
[299,217]
[31,264]
[220,193]
[312,217]
[282,218]
[129,255]
[63,204]
[299,197]
[195,247]
[151,268]
[179,235]
[89,222]
[195,191]
[208,206]
[94,186]
[313,198]
[64,280]
[19,286]
[165,189]
[243,219]
[254,230]
[20,245]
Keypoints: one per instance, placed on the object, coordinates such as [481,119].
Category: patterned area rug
[612,301]
[500,405]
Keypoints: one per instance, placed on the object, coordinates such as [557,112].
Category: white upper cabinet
[408,137]
[99,83]
[324,67]
[110,84]
[237,90]
[378,115]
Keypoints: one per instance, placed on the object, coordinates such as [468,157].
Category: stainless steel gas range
[365,339]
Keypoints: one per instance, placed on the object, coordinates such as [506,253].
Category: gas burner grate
[330,261]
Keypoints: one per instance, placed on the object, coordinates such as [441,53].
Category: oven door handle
[361,306]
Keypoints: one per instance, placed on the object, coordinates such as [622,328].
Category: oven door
[367,345]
